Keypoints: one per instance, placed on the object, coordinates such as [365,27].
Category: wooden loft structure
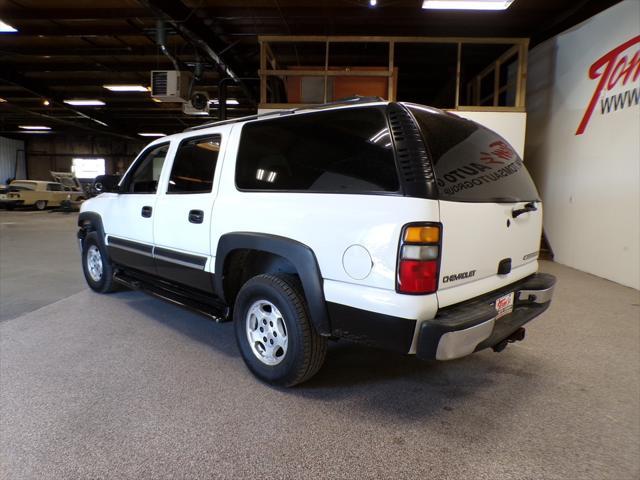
[499,86]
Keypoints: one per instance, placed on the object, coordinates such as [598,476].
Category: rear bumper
[461,329]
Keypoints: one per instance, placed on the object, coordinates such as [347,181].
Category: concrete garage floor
[127,386]
[38,260]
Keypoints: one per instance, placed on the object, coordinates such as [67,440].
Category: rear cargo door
[489,207]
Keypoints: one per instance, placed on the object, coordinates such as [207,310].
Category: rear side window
[22,186]
[472,163]
[337,151]
[194,165]
[54,187]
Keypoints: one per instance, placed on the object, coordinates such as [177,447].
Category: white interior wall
[589,181]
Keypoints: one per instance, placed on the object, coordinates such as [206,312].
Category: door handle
[196,216]
[146,212]
[529,207]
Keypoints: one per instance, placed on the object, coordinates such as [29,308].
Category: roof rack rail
[344,101]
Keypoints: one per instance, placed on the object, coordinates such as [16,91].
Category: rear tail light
[419,259]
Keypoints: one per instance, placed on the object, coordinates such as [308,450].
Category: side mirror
[106,183]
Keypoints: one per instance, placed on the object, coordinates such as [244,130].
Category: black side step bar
[199,303]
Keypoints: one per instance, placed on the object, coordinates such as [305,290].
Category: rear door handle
[196,216]
[146,212]
[529,207]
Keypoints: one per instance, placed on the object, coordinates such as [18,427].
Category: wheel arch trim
[299,254]
[96,221]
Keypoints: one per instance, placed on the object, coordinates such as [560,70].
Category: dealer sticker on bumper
[504,305]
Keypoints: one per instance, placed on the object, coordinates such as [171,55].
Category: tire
[41,204]
[98,271]
[292,351]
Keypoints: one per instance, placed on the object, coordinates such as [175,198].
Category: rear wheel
[41,204]
[97,269]
[274,333]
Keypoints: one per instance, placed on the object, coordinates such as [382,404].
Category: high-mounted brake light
[419,258]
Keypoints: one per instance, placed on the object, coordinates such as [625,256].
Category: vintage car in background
[39,194]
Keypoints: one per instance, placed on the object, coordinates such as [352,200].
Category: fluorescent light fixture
[84,103]
[197,113]
[34,127]
[230,101]
[36,131]
[6,28]
[467,4]
[2,100]
[126,88]
[149,134]
[373,3]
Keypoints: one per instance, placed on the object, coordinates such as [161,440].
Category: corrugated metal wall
[12,155]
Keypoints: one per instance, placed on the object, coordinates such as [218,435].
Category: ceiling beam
[50,51]
[98,121]
[23,14]
[68,123]
[113,66]
[198,32]
[87,29]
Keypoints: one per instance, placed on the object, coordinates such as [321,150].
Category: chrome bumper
[471,326]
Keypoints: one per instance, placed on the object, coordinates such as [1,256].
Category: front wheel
[97,269]
[274,333]
[41,204]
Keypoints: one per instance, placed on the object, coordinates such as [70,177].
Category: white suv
[392,224]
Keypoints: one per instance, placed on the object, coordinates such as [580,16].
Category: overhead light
[36,131]
[148,134]
[230,101]
[126,88]
[46,102]
[6,28]
[373,3]
[157,100]
[34,127]
[2,100]
[84,103]
[467,4]
[197,113]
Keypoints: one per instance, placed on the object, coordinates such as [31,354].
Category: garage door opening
[88,167]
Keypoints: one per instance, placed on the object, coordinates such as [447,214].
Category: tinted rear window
[339,151]
[472,163]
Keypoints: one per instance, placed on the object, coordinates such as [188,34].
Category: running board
[209,307]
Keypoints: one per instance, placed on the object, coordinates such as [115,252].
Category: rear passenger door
[182,224]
